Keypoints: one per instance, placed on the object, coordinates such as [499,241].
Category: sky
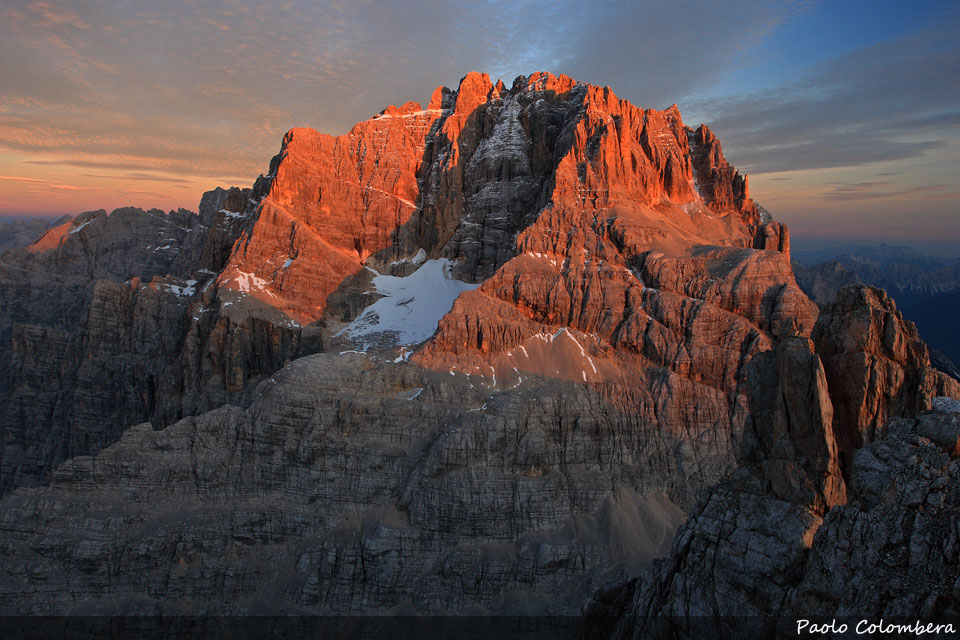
[845,114]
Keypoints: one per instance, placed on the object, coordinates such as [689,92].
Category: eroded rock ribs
[548,318]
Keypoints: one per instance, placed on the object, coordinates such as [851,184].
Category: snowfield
[411,306]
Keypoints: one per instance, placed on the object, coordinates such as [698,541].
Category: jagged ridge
[597,380]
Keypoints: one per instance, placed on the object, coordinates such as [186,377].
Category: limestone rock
[888,553]
[877,367]
[20,233]
[417,487]
[107,323]
[629,335]
[792,417]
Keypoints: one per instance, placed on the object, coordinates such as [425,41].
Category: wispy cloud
[137,177]
[895,100]
[22,179]
[108,103]
[878,189]
[210,89]
[38,184]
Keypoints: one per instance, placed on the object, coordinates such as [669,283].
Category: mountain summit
[482,356]
[467,177]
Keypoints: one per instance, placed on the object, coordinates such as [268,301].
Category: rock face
[876,365]
[575,320]
[836,472]
[417,488]
[19,233]
[488,178]
[889,552]
[792,415]
[106,324]
[462,178]
[61,309]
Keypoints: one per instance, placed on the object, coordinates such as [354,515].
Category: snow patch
[542,256]
[247,281]
[519,378]
[186,291]
[411,306]
[410,394]
[76,229]
[549,338]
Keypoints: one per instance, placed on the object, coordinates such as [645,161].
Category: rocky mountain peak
[483,356]
[474,89]
[483,160]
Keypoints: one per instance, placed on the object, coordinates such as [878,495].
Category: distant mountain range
[20,233]
[925,287]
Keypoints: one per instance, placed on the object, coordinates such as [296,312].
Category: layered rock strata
[145,316]
[417,491]
[624,302]
[749,563]
[841,501]
[111,320]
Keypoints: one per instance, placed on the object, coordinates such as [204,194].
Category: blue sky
[816,32]
[845,114]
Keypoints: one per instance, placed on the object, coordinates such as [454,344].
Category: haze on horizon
[846,115]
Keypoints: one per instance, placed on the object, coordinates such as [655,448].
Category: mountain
[483,356]
[98,332]
[934,317]
[925,287]
[908,275]
[20,233]
[752,562]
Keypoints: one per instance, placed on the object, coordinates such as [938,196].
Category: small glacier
[411,306]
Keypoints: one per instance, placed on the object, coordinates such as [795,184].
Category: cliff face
[461,178]
[19,233]
[110,320]
[841,505]
[415,487]
[749,563]
[573,320]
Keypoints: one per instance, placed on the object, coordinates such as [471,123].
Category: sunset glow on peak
[844,114]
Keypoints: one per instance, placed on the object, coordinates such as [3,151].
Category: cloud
[206,89]
[137,177]
[40,184]
[71,187]
[658,53]
[22,179]
[876,189]
[895,100]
